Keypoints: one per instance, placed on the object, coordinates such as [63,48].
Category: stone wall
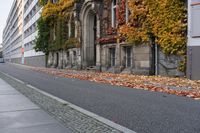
[38,61]
[70,58]
[168,65]
[16,60]
[141,59]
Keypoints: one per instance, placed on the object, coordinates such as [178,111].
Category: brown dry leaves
[151,83]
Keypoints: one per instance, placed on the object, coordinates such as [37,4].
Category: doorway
[90,31]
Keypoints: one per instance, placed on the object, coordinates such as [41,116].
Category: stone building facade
[95,27]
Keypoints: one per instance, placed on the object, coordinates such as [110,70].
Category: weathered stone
[141,49]
[144,64]
[168,65]
[35,61]
[60,60]
[141,57]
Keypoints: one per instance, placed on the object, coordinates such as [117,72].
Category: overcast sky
[5,7]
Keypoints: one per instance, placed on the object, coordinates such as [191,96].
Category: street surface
[139,110]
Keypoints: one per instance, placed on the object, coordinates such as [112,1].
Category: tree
[42,40]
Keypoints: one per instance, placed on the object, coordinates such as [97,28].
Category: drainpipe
[156,59]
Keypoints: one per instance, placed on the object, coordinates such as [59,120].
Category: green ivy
[42,40]
[53,27]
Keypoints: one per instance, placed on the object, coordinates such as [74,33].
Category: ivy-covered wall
[150,22]
[56,27]
[163,22]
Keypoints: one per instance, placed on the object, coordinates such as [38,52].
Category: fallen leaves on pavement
[176,86]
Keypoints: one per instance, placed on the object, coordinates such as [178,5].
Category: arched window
[114,11]
[71,28]
[127,12]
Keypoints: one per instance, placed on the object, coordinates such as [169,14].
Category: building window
[195,1]
[114,11]
[69,29]
[54,1]
[195,19]
[112,56]
[128,56]
[127,13]
[72,34]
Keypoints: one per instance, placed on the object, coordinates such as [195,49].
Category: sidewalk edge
[88,113]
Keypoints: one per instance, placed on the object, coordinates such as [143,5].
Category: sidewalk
[19,115]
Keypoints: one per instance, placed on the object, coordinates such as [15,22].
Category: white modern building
[13,32]
[20,33]
[193,51]
[30,17]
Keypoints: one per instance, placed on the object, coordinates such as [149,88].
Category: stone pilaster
[98,47]
[118,59]
[54,60]
[50,59]
[60,60]
[71,58]
[65,59]
[98,57]
[78,58]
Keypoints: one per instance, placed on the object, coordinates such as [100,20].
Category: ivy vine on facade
[54,33]
[114,35]
[164,20]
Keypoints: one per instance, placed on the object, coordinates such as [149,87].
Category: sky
[5,7]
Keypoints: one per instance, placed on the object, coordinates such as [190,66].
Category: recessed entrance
[89,38]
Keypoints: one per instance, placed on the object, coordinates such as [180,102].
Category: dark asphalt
[139,110]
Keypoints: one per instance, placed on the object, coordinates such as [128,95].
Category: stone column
[64,58]
[98,57]
[78,58]
[49,60]
[54,60]
[98,47]
[71,56]
[118,59]
[60,62]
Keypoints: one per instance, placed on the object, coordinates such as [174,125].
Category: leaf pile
[169,85]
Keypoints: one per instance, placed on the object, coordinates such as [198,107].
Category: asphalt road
[139,110]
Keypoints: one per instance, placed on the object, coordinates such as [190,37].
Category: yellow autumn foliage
[50,10]
[164,19]
[56,9]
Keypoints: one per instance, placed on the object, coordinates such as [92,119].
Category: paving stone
[49,128]
[24,118]
[15,102]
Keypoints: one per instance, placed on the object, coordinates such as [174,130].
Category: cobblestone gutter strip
[73,119]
